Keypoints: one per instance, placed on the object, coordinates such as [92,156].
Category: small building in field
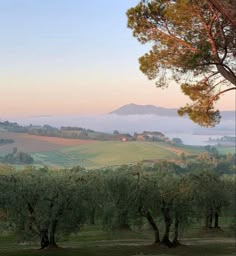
[140,137]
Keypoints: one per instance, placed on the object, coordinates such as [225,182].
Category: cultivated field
[32,143]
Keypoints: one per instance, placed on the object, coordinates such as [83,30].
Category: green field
[60,152]
[226,150]
[102,154]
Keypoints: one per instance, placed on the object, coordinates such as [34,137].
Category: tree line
[17,157]
[42,203]
[6,141]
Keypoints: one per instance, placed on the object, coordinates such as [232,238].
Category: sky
[63,57]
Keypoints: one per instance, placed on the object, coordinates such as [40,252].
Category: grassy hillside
[108,153]
[61,152]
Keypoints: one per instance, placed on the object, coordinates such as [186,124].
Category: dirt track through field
[173,150]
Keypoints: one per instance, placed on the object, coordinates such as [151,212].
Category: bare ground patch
[176,151]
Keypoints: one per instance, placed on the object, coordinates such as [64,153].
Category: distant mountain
[229,115]
[134,109]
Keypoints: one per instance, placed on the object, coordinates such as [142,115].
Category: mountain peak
[135,109]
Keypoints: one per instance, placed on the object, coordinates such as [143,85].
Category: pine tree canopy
[192,42]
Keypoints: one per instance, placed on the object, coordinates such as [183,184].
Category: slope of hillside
[67,153]
[110,153]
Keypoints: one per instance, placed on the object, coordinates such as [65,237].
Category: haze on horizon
[74,57]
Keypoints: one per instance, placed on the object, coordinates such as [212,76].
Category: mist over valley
[133,118]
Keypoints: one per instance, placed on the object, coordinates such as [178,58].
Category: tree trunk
[227,8]
[44,241]
[175,241]
[123,221]
[52,242]
[206,220]
[230,76]
[92,216]
[209,219]
[165,240]
[154,227]
[216,224]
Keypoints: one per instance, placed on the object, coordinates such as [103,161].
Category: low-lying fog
[181,127]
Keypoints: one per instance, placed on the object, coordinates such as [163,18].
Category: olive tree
[210,196]
[44,202]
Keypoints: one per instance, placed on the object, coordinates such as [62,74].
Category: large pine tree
[193,43]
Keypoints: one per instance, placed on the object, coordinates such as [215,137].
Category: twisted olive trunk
[209,218]
[52,241]
[216,223]
[44,241]
[168,221]
[175,241]
[154,227]
[92,216]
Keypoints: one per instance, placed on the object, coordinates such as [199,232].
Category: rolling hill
[135,109]
[66,153]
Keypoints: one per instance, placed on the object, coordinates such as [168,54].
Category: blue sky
[73,57]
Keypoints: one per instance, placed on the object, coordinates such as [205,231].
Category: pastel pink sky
[66,57]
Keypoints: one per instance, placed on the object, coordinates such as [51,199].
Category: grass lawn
[92,242]
[110,248]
